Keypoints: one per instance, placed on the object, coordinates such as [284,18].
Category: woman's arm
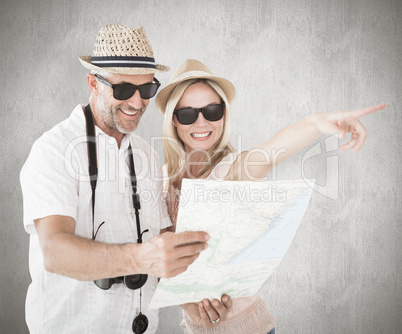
[260,160]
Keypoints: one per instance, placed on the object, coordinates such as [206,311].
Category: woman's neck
[194,161]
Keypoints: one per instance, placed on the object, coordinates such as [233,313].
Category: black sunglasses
[126,90]
[211,112]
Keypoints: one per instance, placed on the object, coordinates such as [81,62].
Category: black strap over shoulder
[91,142]
[136,197]
[93,174]
[92,162]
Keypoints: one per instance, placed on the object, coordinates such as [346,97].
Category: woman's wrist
[312,124]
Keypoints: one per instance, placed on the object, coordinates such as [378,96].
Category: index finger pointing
[369,110]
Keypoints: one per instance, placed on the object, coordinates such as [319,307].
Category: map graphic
[251,225]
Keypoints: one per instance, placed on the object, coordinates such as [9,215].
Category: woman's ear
[92,83]
[174,122]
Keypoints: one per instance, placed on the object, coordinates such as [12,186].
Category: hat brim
[86,62]
[163,95]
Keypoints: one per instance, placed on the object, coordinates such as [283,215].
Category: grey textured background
[343,272]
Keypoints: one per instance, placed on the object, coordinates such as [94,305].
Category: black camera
[131,281]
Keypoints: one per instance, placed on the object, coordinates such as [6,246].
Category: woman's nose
[200,119]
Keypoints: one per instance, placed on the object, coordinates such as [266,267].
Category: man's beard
[110,118]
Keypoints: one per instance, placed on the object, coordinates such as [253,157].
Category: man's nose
[135,101]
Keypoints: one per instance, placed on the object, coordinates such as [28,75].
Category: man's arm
[67,254]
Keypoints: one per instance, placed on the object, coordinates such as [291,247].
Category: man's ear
[92,83]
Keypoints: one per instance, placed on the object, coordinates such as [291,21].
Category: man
[73,244]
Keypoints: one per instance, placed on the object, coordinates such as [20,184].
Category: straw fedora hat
[124,50]
[192,69]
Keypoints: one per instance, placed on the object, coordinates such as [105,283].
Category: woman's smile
[201,135]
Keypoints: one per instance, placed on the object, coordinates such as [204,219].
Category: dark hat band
[123,61]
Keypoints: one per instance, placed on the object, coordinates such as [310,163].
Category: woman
[196,130]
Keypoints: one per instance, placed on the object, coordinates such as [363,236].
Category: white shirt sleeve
[48,186]
[164,216]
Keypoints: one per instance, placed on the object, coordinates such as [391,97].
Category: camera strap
[93,174]
[136,197]
[92,162]
[140,322]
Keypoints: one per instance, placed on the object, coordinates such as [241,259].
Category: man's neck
[101,125]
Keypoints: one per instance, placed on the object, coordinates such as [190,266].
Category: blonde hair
[173,147]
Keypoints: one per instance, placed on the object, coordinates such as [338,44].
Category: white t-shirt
[55,181]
